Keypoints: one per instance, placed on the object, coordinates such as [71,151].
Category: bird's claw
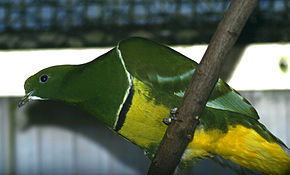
[173,113]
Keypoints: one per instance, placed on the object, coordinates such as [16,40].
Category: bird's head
[46,84]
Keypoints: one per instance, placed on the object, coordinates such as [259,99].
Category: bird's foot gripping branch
[172,117]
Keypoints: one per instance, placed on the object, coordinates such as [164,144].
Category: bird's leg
[172,116]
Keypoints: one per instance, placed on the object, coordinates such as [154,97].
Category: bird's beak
[25,99]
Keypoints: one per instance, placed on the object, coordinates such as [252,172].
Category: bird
[135,89]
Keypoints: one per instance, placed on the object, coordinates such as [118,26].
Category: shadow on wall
[53,115]
[231,61]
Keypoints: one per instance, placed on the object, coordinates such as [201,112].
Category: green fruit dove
[132,88]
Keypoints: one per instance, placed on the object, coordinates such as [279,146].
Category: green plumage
[158,73]
[106,88]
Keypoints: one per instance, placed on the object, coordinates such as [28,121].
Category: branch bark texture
[179,134]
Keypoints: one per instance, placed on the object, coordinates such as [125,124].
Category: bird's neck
[102,87]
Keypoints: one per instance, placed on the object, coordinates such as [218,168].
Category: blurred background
[47,137]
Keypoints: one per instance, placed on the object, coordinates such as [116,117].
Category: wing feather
[166,70]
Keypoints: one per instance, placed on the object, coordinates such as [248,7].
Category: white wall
[258,68]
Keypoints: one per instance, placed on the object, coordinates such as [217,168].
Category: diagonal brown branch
[179,134]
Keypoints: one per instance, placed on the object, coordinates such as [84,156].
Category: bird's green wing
[168,71]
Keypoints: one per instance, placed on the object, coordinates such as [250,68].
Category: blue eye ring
[43,78]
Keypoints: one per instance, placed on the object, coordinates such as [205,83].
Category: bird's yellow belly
[241,145]
[244,146]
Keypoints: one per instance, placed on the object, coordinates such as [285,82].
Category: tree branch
[179,134]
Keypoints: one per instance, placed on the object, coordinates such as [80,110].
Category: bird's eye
[43,78]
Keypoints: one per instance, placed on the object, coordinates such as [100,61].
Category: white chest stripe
[130,83]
